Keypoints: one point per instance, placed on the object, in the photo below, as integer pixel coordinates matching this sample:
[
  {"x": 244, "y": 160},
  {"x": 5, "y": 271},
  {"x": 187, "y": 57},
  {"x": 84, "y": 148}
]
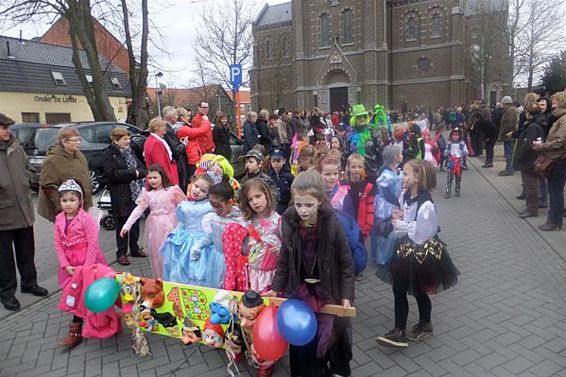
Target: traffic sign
[{"x": 235, "y": 76}]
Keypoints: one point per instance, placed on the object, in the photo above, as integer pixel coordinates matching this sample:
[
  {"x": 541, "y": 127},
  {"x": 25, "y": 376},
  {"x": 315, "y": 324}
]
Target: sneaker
[
  {"x": 420, "y": 331},
  {"x": 395, "y": 338},
  {"x": 487, "y": 165},
  {"x": 447, "y": 195}
]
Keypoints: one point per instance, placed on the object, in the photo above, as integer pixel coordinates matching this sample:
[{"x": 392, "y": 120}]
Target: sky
[{"x": 177, "y": 21}]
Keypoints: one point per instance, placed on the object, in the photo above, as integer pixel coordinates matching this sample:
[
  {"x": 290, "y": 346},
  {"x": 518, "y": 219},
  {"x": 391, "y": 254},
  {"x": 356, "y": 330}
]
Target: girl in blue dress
[{"x": 186, "y": 249}]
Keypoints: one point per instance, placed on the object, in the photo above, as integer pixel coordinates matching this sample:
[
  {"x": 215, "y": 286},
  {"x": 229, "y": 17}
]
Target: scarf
[{"x": 137, "y": 184}]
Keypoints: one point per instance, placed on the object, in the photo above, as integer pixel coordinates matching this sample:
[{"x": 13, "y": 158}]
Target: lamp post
[{"x": 158, "y": 74}]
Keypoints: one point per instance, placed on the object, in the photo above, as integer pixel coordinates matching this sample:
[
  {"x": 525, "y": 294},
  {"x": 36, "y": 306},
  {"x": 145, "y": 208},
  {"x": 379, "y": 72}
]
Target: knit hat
[{"x": 507, "y": 100}]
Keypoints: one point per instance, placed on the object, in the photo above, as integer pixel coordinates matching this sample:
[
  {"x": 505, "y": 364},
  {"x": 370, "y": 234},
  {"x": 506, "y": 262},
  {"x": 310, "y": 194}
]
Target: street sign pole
[
  {"x": 236, "y": 80},
  {"x": 238, "y": 118}
]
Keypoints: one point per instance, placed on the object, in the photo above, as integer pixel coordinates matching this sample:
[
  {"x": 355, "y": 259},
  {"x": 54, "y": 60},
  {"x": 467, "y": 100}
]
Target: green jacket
[{"x": 16, "y": 207}]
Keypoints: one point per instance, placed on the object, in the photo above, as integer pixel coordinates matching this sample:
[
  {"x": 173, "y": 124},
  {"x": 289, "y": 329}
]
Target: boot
[{"x": 74, "y": 337}]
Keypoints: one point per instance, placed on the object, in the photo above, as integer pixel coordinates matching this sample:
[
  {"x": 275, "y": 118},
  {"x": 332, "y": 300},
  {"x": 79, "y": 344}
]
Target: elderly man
[
  {"x": 177, "y": 146},
  {"x": 508, "y": 125},
  {"x": 16, "y": 220}
]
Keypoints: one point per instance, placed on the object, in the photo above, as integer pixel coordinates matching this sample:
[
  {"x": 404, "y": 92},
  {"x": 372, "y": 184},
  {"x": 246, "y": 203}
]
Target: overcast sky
[{"x": 176, "y": 22}]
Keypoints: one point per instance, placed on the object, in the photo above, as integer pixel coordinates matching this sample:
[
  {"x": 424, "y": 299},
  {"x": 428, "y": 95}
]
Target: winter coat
[
  {"x": 526, "y": 155},
  {"x": 335, "y": 264},
  {"x": 221, "y": 136},
  {"x": 119, "y": 177},
  {"x": 59, "y": 166},
  {"x": 365, "y": 209},
  {"x": 251, "y": 135},
  {"x": 175, "y": 145},
  {"x": 555, "y": 145},
  {"x": 263, "y": 131},
  {"x": 194, "y": 149},
  {"x": 508, "y": 123},
  {"x": 16, "y": 207},
  {"x": 283, "y": 180},
  {"x": 156, "y": 153},
  {"x": 285, "y": 131},
  {"x": 206, "y": 141},
  {"x": 487, "y": 128}
]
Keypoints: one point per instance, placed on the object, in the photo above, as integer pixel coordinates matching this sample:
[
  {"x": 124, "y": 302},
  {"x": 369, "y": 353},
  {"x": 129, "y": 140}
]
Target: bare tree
[
  {"x": 78, "y": 13},
  {"x": 224, "y": 37}
]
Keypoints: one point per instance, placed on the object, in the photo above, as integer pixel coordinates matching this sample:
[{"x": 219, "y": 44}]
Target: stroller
[{"x": 108, "y": 221}]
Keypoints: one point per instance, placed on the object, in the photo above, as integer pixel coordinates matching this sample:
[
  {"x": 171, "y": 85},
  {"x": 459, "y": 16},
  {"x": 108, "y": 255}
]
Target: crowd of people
[{"x": 321, "y": 194}]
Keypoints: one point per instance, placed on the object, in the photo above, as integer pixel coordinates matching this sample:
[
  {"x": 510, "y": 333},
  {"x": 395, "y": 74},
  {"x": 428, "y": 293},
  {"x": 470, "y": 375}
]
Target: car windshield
[{"x": 45, "y": 137}]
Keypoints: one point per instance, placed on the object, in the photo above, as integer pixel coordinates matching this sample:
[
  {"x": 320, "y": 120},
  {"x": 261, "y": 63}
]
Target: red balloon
[{"x": 267, "y": 341}]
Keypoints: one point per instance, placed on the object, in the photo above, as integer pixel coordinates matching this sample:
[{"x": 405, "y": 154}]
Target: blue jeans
[
  {"x": 556, "y": 181},
  {"x": 542, "y": 190},
  {"x": 508, "y": 153}
]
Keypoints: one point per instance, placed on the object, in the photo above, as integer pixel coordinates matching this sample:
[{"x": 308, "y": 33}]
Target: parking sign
[{"x": 235, "y": 76}]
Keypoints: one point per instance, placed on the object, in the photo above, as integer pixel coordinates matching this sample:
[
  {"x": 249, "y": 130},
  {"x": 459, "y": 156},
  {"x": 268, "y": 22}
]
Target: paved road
[{"x": 506, "y": 317}]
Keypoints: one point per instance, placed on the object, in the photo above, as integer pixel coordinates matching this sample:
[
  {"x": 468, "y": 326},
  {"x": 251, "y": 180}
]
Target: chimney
[{"x": 21, "y": 39}]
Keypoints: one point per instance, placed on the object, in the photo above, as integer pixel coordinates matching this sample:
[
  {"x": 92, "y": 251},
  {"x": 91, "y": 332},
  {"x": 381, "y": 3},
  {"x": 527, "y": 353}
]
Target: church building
[{"x": 399, "y": 53}]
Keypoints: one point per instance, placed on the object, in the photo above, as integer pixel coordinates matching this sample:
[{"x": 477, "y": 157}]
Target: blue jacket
[
  {"x": 283, "y": 181},
  {"x": 352, "y": 232}
]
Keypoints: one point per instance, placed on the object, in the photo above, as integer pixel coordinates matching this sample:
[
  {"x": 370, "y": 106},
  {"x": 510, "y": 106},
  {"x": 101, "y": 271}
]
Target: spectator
[
  {"x": 17, "y": 216},
  {"x": 221, "y": 137},
  {"x": 508, "y": 125},
  {"x": 177, "y": 147},
  {"x": 125, "y": 175},
  {"x": 206, "y": 142},
  {"x": 64, "y": 161},
  {"x": 190, "y": 136},
  {"x": 157, "y": 151},
  {"x": 263, "y": 130},
  {"x": 251, "y": 134}
]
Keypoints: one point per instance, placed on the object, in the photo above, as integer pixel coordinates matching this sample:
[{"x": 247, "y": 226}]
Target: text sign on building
[
  {"x": 235, "y": 76},
  {"x": 55, "y": 99}
]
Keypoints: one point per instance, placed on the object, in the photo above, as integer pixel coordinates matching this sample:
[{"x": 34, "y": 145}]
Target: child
[
  {"x": 306, "y": 158},
  {"x": 455, "y": 151},
  {"x": 263, "y": 243},
  {"x": 329, "y": 169},
  {"x": 388, "y": 186},
  {"x": 76, "y": 244},
  {"x": 280, "y": 173},
  {"x": 184, "y": 261},
  {"x": 316, "y": 266},
  {"x": 420, "y": 264},
  {"x": 221, "y": 198},
  {"x": 361, "y": 193},
  {"x": 254, "y": 160},
  {"x": 441, "y": 144},
  {"x": 431, "y": 149},
  {"x": 161, "y": 197}
]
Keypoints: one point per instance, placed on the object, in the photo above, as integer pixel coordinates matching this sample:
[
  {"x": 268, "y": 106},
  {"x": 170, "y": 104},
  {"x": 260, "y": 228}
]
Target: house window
[
  {"x": 58, "y": 78},
  {"x": 54, "y": 118},
  {"x": 115, "y": 83},
  {"x": 411, "y": 28},
  {"x": 268, "y": 49},
  {"x": 30, "y": 117},
  {"x": 436, "y": 26},
  {"x": 89, "y": 79},
  {"x": 325, "y": 30},
  {"x": 347, "y": 26}
]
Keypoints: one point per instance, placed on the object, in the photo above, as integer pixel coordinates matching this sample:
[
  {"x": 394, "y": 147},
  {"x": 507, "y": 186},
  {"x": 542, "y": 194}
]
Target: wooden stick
[{"x": 337, "y": 310}]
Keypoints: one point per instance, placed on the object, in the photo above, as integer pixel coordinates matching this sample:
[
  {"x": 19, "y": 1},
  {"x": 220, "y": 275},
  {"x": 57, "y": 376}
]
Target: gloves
[{"x": 195, "y": 251}]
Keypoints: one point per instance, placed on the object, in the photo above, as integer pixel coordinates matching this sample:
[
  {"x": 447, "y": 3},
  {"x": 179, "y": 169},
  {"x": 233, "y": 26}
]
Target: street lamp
[{"x": 158, "y": 74}]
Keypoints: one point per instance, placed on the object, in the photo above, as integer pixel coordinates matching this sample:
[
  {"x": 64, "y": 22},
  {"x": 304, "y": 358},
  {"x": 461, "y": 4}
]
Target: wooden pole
[
  {"x": 238, "y": 120},
  {"x": 337, "y": 310}
]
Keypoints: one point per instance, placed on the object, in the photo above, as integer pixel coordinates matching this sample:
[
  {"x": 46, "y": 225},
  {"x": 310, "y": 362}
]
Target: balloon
[
  {"x": 297, "y": 322},
  {"x": 267, "y": 341},
  {"x": 101, "y": 295}
]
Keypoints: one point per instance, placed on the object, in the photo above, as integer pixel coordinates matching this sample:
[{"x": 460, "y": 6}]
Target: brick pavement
[{"x": 506, "y": 317}]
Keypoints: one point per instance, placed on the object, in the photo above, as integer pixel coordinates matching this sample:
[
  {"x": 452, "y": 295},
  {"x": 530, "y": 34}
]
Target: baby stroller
[{"x": 108, "y": 221}]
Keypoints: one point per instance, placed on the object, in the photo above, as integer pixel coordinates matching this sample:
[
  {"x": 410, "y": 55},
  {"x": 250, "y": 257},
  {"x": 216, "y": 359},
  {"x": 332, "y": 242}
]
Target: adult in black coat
[
  {"x": 124, "y": 173},
  {"x": 263, "y": 130},
  {"x": 178, "y": 148},
  {"x": 221, "y": 137},
  {"x": 489, "y": 135}
]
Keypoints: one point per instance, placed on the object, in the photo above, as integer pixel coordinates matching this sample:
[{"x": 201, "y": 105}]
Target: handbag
[{"x": 543, "y": 165}]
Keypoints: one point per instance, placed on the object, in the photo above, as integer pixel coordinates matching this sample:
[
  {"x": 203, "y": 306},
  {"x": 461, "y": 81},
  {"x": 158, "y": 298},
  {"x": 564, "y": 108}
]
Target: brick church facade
[{"x": 332, "y": 53}]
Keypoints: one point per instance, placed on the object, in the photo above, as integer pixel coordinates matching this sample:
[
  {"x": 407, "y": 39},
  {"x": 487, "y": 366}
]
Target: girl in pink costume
[
  {"x": 76, "y": 244},
  {"x": 161, "y": 197},
  {"x": 263, "y": 224}
]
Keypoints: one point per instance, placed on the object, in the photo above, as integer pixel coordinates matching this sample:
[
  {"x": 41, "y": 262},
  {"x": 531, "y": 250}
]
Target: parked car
[
  {"x": 95, "y": 136},
  {"x": 237, "y": 146}
]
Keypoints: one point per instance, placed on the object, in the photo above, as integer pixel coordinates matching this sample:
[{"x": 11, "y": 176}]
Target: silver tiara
[{"x": 71, "y": 185}]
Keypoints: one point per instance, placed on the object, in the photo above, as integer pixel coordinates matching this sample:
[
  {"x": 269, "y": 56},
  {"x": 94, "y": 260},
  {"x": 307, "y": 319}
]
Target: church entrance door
[{"x": 338, "y": 98}]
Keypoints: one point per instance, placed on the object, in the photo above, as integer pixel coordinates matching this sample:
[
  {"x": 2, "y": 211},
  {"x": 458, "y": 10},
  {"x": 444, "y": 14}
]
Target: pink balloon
[{"x": 268, "y": 342}]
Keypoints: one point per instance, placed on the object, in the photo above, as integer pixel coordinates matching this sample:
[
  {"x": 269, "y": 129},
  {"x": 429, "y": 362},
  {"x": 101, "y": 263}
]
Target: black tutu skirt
[{"x": 428, "y": 267}]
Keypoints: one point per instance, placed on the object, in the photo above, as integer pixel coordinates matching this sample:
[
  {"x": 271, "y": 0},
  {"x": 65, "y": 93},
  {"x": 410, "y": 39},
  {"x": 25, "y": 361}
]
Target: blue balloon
[
  {"x": 101, "y": 295},
  {"x": 297, "y": 322}
]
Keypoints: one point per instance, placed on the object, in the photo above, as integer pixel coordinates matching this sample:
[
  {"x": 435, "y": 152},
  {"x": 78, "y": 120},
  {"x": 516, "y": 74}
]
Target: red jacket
[
  {"x": 366, "y": 210},
  {"x": 194, "y": 133},
  {"x": 156, "y": 153},
  {"x": 206, "y": 141}
]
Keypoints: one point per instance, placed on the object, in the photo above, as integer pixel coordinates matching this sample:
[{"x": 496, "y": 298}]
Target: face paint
[{"x": 307, "y": 207}]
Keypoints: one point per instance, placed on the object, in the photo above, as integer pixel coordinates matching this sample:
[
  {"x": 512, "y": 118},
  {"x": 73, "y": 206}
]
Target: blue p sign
[{"x": 236, "y": 75}]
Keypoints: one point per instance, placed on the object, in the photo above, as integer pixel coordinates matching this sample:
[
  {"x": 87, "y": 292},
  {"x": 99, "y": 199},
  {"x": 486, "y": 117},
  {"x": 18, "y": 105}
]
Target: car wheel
[{"x": 95, "y": 184}]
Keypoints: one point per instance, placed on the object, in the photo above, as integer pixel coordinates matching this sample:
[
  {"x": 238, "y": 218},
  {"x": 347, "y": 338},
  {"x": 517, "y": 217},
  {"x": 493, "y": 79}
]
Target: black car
[{"x": 95, "y": 137}]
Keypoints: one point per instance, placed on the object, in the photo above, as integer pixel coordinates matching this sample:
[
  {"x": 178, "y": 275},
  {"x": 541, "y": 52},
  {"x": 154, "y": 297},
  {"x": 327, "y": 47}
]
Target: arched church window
[
  {"x": 436, "y": 31},
  {"x": 325, "y": 39},
  {"x": 411, "y": 32},
  {"x": 347, "y": 26}
]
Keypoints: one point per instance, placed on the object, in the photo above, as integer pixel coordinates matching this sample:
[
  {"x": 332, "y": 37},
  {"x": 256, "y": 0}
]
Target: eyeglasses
[{"x": 74, "y": 139}]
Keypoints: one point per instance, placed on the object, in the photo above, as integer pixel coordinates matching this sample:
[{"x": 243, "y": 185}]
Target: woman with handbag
[{"x": 554, "y": 149}]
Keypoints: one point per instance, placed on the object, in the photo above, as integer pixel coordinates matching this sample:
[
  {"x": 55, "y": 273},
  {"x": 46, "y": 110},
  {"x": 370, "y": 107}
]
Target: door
[{"x": 338, "y": 98}]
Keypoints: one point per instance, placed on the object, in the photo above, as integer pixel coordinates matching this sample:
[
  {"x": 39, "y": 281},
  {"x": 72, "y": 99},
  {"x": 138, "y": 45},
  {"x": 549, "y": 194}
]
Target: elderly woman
[
  {"x": 125, "y": 174},
  {"x": 251, "y": 134},
  {"x": 157, "y": 151},
  {"x": 554, "y": 148},
  {"x": 63, "y": 161}
]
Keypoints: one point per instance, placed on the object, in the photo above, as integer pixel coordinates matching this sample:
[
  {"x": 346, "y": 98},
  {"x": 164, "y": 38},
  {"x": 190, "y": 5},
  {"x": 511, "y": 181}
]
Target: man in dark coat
[
  {"x": 16, "y": 220},
  {"x": 177, "y": 147}
]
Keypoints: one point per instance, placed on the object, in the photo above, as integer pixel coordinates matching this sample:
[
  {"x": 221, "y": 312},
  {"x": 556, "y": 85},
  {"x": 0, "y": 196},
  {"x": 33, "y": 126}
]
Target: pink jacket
[{"x": 96, "y": 325}]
